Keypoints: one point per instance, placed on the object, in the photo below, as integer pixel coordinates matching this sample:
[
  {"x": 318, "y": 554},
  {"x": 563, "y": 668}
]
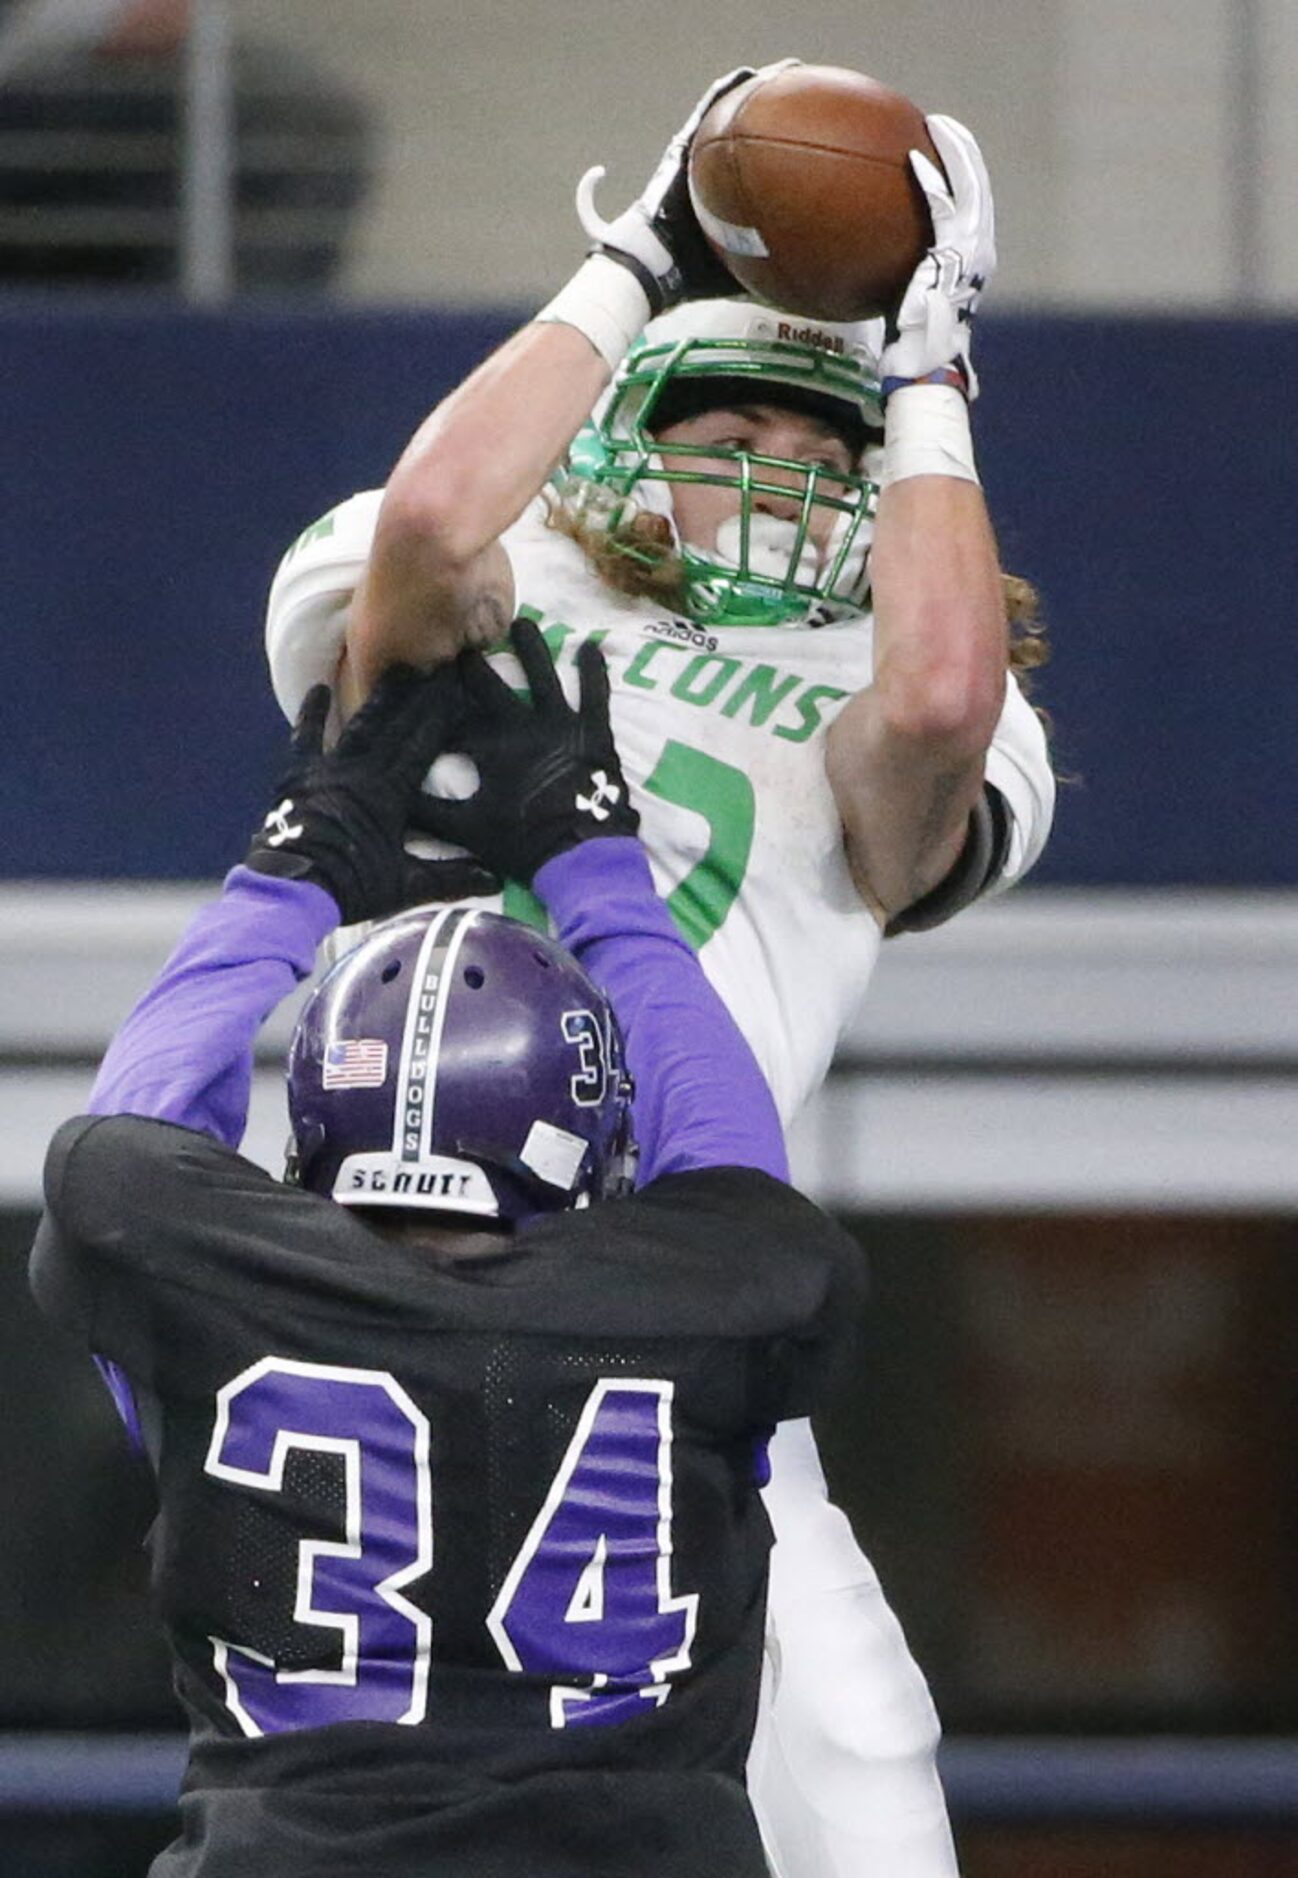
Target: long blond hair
[{"x": 635, "y": 553}]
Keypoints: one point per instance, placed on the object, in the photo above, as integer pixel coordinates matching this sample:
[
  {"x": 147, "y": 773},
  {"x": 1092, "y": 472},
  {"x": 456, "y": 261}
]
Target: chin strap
[{"x": 977, "y": 868}]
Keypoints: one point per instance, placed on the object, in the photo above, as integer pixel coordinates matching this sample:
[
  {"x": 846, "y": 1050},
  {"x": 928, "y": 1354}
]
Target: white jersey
[{"x": 721, "y": 733}]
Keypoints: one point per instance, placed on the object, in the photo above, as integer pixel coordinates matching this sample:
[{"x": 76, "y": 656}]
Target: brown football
[{"x": 802, "y": 183}]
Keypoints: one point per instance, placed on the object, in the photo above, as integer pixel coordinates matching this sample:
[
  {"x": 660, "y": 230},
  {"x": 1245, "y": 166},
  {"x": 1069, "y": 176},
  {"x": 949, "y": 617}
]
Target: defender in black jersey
[{"x": 459, "y": 1547}]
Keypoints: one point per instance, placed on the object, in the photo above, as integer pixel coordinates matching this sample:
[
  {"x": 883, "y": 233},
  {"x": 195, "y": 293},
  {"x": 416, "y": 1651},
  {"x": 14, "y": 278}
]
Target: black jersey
[{"x": 463, "y": 1565}]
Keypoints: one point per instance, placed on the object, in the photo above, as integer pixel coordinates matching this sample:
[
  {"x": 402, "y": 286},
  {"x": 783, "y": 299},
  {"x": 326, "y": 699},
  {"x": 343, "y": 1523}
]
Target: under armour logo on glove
[
  {"x": 277, "y": 828},
  {"x": 548, "y": 775},
  {"x": 603, "y": 797},
  {"x": 341, "y": 815}
]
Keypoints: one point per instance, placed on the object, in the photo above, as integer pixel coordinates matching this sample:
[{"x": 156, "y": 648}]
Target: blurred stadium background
[{"x": 244, "y": 244}]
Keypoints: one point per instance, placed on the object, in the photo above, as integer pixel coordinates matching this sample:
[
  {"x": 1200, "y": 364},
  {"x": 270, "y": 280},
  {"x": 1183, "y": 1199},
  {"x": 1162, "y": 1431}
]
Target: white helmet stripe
[{"x": 416, "y": 1084}]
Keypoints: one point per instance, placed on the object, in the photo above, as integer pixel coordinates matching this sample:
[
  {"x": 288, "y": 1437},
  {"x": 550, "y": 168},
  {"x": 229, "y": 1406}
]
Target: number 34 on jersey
[{"x": 587, "y": 1602}]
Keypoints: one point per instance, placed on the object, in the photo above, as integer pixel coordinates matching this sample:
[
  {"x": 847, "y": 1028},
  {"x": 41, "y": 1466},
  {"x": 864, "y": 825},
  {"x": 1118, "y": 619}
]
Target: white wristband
[
  {"x": 606, "y": 302},
  {"x": 926, "y": 433}
]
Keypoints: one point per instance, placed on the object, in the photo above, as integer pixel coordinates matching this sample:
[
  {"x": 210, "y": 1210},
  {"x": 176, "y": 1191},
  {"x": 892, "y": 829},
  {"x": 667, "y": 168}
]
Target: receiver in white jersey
[{"x": 721, "y": 732}]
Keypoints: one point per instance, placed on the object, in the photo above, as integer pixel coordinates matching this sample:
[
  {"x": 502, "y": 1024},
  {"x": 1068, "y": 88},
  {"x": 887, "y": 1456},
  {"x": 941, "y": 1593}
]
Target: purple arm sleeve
[
  {"x": 185, "y": 1052},
  {"x": 701, "y": 1100}
]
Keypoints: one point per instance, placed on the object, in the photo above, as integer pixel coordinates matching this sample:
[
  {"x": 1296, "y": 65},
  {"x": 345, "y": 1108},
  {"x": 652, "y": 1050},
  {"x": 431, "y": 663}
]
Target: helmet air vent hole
[
  {"x": 390, "y": 971},
  {"x": 474, "y": 977},
  {"x": 541, "y": 960}
]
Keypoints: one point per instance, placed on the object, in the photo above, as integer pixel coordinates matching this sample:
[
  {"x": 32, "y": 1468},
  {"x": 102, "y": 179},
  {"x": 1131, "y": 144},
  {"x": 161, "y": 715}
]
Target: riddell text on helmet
[{"x": 809, "y": 336}]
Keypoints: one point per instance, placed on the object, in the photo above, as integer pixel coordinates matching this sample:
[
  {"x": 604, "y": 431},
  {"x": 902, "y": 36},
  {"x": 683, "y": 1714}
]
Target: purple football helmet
[{"x": 460, "y": 1061}]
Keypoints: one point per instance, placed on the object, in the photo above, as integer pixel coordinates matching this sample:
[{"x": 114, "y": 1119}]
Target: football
[{"x": 802, "y": 184}]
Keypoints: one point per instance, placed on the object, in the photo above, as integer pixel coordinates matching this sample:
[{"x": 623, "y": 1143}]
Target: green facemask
[{"x": 615, "y": 458}]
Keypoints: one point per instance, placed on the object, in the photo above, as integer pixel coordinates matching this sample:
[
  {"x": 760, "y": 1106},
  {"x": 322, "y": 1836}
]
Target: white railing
[{"x": 1057, "y": 1050}]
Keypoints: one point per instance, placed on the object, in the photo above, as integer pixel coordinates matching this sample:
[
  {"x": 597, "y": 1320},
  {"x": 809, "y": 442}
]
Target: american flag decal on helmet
[{"x": 359, "y": 1063}]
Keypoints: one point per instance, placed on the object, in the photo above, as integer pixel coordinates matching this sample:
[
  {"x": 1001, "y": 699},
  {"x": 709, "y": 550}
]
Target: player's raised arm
[
  {"x": 552, "y": 808},
  {"x": 437, "y": 577},
  {"x": 906, "y": 755}
]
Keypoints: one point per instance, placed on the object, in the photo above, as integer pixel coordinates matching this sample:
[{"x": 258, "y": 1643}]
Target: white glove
[
  {"x": 658, "y": 239},
  {"x": 931, "y": 330}
]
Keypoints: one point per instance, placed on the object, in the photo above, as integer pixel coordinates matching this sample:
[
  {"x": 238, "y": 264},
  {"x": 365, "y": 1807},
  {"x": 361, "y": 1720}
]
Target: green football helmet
[{"x": 715, "y": 352}]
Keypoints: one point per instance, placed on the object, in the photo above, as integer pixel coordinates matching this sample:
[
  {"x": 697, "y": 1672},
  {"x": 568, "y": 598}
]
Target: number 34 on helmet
[{"x": 461, "y": 1062}]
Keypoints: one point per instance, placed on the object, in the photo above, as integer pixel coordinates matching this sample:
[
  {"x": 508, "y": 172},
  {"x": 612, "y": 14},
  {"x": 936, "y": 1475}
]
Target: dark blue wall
[
  {"x": 1142, "y": 471},
  {"x": 156, "y": 463}
]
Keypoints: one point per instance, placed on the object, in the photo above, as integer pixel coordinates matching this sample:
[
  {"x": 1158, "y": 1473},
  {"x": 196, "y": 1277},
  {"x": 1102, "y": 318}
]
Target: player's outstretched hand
[
  {"x": 340, "y": 816},
  {"x": 658, "y": 238},
  {"x": 931, "y": 330},
  {"x": 549, "y": 775}
]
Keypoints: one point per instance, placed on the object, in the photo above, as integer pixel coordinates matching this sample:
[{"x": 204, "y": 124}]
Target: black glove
[
  {"x": 549, "y": 776},
  {"x": 340, "y": 815}
]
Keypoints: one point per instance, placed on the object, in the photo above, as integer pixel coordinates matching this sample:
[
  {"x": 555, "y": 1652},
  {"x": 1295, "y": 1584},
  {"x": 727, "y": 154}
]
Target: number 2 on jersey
[
  {"x": 723, "y": 796},
  {"x": 587, "y": 1601}
]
